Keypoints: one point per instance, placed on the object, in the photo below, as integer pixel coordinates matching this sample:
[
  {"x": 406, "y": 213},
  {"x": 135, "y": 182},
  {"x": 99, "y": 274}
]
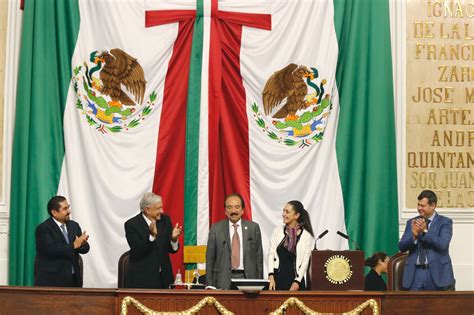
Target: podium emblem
[{"x": 338, "y": 269}]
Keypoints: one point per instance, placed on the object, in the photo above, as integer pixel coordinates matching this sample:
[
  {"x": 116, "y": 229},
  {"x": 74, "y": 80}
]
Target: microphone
[
  {"x": 349, "y": 239},
  {"x": 322, "y": 234},
  {"x": 320, "y": 237},
  {"x": 343, "y": 235}
]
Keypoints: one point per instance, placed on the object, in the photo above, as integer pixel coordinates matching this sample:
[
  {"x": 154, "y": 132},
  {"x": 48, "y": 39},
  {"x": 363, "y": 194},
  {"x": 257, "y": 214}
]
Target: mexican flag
[{"x": 196, "y": 99}]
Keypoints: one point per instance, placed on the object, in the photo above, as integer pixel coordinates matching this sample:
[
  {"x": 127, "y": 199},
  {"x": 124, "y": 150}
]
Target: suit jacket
[
  {"x": 55, "y": 258},
  {"x": 218, "y": 253},
  {"x": 436, "y": 242},
  {"x": 148, "y": 258}
]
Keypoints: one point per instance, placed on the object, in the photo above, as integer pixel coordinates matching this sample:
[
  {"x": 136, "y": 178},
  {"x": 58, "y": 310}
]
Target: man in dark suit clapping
[
  {"x": 59, "y": 241},
  {"x": 151, "y": 238}
]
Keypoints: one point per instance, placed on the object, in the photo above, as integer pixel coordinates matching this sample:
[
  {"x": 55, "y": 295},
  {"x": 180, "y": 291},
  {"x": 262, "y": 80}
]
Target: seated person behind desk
[
  {"x": 290, "y": 246},
  {"x": 378, "y": 263}
]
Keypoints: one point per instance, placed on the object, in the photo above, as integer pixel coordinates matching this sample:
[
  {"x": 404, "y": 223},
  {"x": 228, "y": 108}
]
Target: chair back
[
  {"x": 395, "y": 269},
  {"x": 122, "y": 267},
  {"x": 81, "y": 267}
]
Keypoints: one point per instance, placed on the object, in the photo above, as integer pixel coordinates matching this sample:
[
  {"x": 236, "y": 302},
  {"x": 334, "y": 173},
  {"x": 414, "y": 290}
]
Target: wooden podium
[{"x": 337, "y": 270}]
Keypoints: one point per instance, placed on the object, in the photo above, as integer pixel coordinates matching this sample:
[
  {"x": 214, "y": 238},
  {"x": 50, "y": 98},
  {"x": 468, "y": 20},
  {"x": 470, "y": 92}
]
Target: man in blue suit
[{"x": 427, "y": 238}]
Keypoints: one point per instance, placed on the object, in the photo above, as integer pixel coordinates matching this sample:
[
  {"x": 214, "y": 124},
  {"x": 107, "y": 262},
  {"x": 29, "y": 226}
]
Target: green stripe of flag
[
  {"x": 49, "y": 34},
  {"x": 192, "y": 130},
  {"x": 366, "y": 146}
]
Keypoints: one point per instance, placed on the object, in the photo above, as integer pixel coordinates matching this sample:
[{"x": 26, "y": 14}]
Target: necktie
[
  {"x": 235, "y": 259},
  {"x": 63, "y": 230},
  {"x": 66, "y": 236},
  {"x": 422, "y": 259}
]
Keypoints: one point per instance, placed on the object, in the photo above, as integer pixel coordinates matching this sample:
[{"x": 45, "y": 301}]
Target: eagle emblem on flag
[
  {"x": 110, "y": 89},
  {"x": 296, "y": 104}
]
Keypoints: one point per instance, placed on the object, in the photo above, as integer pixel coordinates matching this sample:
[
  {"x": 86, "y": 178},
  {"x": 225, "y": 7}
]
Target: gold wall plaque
[{"x": 440, "y": 101}]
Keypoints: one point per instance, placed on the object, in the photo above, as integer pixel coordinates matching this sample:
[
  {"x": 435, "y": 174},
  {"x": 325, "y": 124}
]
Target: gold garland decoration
[
  {"x": 209, "y": 300},
  {"x": 307, "y": 311}
]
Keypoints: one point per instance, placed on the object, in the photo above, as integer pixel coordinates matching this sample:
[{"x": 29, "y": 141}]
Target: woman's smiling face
[{"x": 290, "y": 217}]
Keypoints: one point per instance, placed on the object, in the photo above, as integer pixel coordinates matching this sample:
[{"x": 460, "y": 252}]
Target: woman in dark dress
[
  {"x": 378, "y": 264},
  {"x": 290, "y": 249}
]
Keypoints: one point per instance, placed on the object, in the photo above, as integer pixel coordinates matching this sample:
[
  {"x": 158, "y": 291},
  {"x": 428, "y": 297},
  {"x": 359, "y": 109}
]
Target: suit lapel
[
  {"x": 70, "y": 233},
  {"x": 245, "y": 236},
  {"x": 225, "y": 231},
  {"x": 57, "y": 230},
  {"x": 434, "y": 225},
  {"x": 144, "y": 226}
]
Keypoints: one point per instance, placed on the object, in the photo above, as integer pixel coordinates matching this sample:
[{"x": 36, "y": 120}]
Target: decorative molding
[
  {"x": 398, "y": 35},
  {"x": 4, "y": 228},
  {"x": 459, "y": 216},
  {"x": 11, "y": 77}
]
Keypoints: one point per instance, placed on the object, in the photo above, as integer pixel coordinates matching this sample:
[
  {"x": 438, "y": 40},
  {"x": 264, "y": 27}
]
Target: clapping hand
[
  {"x": 418, "y": 225},
  {"x": 153, "y": 228},
  {"x": 177, "y": 231},
  {"x": 81, "y": 240}
]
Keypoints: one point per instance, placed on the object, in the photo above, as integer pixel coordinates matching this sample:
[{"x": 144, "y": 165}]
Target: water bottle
[
  {"x": 196, "y": 276},
  {"x": 178, "y": 279}
]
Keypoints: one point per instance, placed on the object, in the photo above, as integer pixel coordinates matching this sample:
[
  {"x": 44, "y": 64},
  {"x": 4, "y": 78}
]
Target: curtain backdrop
[
  {"x": 205, "y": 122},
  {"x": 366, "y": 135},
  {"x": 49, "y": 35}
]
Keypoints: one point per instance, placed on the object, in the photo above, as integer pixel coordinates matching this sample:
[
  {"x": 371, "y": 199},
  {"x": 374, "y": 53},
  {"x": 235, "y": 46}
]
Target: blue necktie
[
  {"x": 66, "y": 236},
  {"x": 422, "y": 258},
  {"x": 63, "y": 230}
]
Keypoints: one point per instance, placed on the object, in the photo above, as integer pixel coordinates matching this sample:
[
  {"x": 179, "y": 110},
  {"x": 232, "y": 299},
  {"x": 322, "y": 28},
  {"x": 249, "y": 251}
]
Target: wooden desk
[
  {"x": 52, "y": 301},
  {"x": 428, "y": 302},
  {"x": 56, "y": 301}
]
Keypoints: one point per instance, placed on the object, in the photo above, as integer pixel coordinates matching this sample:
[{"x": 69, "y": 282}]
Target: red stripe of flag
[
  {"x": 229, "y": 167},
  {"x": 169, "y": 168}
]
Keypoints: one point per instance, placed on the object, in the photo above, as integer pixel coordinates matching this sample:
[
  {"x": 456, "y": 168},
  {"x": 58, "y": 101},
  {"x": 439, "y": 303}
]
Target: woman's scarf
[{"x": 291, "y": 238}]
